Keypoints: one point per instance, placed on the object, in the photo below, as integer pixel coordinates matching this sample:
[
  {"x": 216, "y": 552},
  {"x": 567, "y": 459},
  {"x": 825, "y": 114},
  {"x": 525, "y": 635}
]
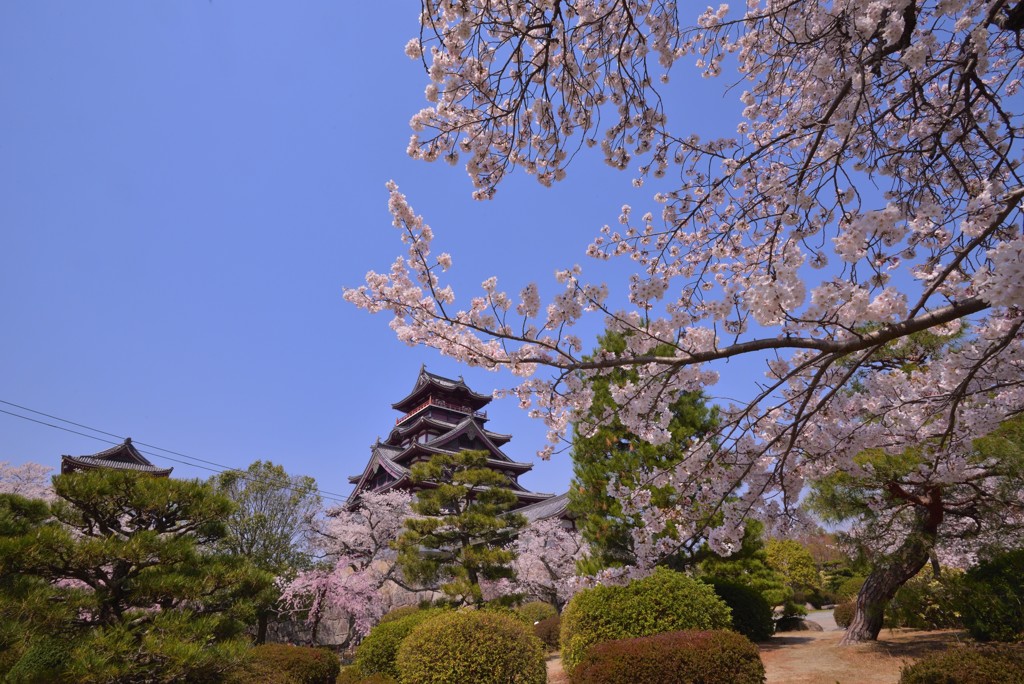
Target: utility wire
[{"x": 221, "y": 468}]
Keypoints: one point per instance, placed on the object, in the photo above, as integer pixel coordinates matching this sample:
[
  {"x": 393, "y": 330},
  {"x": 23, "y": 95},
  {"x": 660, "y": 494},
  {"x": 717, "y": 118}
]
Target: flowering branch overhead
[{"x": 871, "y": 192}]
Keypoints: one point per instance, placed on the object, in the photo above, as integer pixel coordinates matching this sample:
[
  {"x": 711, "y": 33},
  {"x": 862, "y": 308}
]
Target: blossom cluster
[{"x": 31, "y": 480}]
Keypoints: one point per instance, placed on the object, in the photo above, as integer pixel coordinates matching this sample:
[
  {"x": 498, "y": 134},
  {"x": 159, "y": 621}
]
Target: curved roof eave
[{"x": 467, "y": 425}]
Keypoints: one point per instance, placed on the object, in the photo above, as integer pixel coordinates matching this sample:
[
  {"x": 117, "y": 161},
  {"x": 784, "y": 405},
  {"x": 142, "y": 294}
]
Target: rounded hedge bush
[
  {"x": 535, "y": 611},
  {"x": 472, "y": 646},
  {"x": 666, "y": 601},
  {"x": 843, "y": 613},
  {"x": 751, "y": 615},
  {"x": 272, "y": 663},
  {"x": 685, "y": 657},
  {"x": 992, "y": 603},
  {"x": 548, "y": 632},
  {"x": 352, "y": 675},
  {"x": 397, "y": 613},
  {"x": 996, "y": 664},
  {"x": 376, "y": 654},
  {"x": 849, "y": 589}
]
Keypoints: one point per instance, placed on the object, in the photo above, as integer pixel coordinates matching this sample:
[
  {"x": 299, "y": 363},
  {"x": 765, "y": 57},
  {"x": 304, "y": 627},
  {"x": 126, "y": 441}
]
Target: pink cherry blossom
[{"x": 356, "y": 542}]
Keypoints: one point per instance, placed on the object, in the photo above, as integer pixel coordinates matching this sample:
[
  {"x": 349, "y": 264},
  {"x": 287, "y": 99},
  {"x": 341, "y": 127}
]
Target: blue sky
[{"x": 185, "y": 188}]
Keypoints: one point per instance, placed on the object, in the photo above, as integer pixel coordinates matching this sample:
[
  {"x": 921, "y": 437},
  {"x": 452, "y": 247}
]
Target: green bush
[
  {"x": 810, "y": 595},
  {"x": 397, "y": 613},
  {"x": 472, "y": 646},
  {"x": 791, "y": 608},
  {"x": 843, "y": 613},
  {"x": 711, "y": 657},
  {"x": 535, "y": 611},
  {"x": 286, "y": 664},
  {"x": 751, "y": 614},
  {"x": 926, "y": 602},
  {"x": 548, "y": 632},
  {"x": 997, "y": 664},
  {"x": 992, "y": 603},
  {"x": 666, "y": 601},
  {"x": 377, "y": 652},
  {"x": 849, "y": 589},
  {"x": 352, "y": 675}
]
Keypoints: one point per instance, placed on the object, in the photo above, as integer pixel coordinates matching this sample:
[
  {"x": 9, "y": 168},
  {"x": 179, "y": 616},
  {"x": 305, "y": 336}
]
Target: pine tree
[
  {"x": 612, "y": 451},
  {"x": 465, "y": 526},
  {"x": 121, "y": 581}
]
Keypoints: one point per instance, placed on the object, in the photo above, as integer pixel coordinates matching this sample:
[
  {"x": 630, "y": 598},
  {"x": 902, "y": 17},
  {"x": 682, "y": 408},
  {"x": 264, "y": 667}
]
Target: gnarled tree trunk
[{"x": 889, "y": 575}]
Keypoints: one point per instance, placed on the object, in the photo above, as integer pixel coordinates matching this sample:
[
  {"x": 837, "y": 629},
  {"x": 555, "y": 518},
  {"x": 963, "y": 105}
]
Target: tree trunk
[
  {"x": 261, "y": 627},
  {"x": 887, "y": 576},
  {"x": 880, "y": 586}
]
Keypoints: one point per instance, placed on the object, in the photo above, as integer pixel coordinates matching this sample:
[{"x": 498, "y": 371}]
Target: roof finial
[{"x": 127, "y": 440}]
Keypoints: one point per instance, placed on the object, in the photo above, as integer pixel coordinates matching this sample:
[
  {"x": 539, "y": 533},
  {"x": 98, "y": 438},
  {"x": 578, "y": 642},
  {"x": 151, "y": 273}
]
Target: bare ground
[{"x": 817, "y": 657}]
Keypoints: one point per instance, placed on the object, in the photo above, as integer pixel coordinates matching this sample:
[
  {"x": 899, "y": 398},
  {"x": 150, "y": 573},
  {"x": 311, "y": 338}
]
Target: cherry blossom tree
[
  {"x": 870, "y": 190},
  {"x": 546, "y": 557},
  {"x": 356, "y": 541},
  {"x": 30, "y": 480}
]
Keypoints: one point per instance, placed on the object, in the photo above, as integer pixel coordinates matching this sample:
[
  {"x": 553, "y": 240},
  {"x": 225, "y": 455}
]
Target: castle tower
[{"x": 439, "y": 415}]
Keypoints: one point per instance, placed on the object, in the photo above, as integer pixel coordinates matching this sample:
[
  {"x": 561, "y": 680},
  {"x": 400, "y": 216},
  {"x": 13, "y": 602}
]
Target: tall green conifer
[
  {"x": 615, "y": 452},
  {"x": 464, "y": 528}
]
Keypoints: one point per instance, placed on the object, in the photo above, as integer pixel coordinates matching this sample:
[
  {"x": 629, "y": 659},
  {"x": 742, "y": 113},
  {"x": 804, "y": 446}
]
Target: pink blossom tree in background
[
  {"x": 30, "y": 480},
  {"x": 870, "y": 190},
  {"x": 359, "y": 562},
  {"x": 545, "y": 565}
]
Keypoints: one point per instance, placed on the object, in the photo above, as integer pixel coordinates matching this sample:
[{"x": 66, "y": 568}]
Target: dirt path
[
  {"x": 555, "y": 673},
  {"x": 817, "y": 657}
]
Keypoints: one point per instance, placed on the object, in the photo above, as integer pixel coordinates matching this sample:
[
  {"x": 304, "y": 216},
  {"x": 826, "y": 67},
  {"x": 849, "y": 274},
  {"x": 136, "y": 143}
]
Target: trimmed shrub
[
  {"x": 377, "y": 652},
  {"x": 548, "y": 632},
  {"x": 665, "y": 601},
  {"x": 711, "y": 657},
  {"x": 849, "y": 589},
  {"x": 352, "y": 675},
  {"x": 535, "y": 611},
  {"x": 751, "y": 614},
  {"x": 843, "y": 613},
  {"x": 814, "y": 596},
  {"x": 285, "y": 664},
  {"x": 471, "y": 646},
  {"x": 992, "y": 603},
  {"x": 397, "y": 613},
  {"x": 996, "y": 664},
  {"x": 924, "y": 602}
]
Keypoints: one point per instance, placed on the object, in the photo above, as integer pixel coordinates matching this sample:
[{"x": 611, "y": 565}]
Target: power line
[{"x": 330, "y": 496}]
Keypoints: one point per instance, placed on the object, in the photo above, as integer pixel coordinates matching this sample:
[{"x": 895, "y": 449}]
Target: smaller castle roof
[
  {"x": 121, "y": 457},
  {"x": 555, "y": 507}
]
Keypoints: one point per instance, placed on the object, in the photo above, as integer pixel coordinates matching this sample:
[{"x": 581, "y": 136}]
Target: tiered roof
[
  {"x": 440, "y": 415},
  {"x": 121, "y": 457}
]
